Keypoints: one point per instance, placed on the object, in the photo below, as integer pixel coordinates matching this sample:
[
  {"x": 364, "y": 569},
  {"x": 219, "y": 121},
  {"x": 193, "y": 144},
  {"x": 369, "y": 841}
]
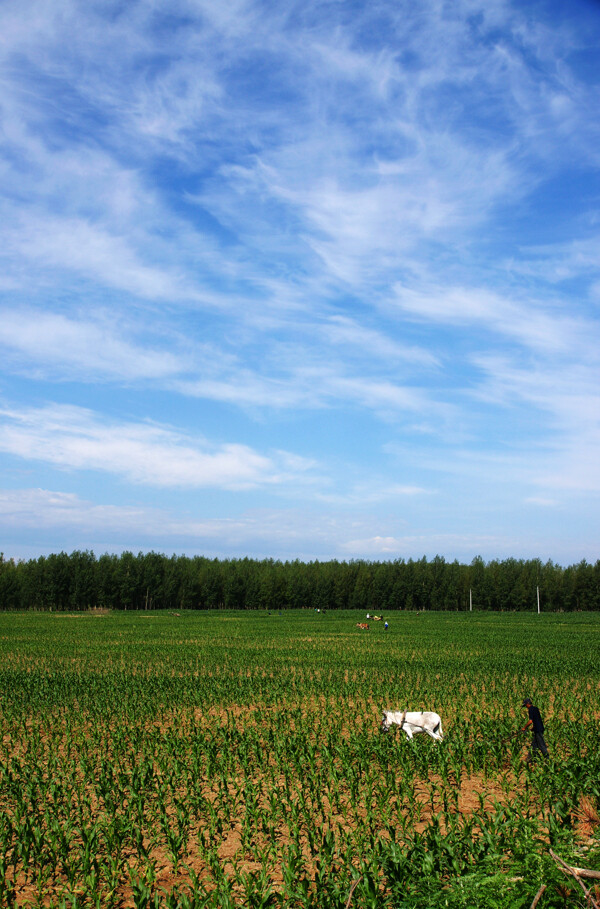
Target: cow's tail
[{"x": 438, "y": 729}]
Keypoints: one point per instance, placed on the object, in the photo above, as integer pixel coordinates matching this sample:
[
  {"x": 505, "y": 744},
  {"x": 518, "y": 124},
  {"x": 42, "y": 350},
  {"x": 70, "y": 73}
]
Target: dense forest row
[{"x": 81, "y": 581}]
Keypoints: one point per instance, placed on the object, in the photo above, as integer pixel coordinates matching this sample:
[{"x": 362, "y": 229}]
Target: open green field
[{"x": 226, "y": 759}]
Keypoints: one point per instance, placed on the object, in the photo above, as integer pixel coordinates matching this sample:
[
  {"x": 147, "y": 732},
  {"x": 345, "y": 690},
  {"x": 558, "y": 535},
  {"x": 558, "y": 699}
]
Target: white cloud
[
  {"x": 363, "y": 199},
  {"x": 542, "y": 327},
  {"x": 380, "y": 546},
  {"x": 547, "y": 418},
  {"x": 258, "y": 533},
  {"x": 60, "y": 511},
  {"x": 72, "y": 438},
  {"x": 289, "y": 213},
  {"x": 96, "y": 345},
  {"x": 41, "y": 508},
  {"x": 376, "y": 491},
  {"x": 320, "y": 364},
  {"x": 428, "y": 544},
  {"x": 94, "y": 251},
  {"x": 556, "y": 262},
  {"x": 323, "y": 385},
  {"x": 41, "y": 342},
  {"x": 47, "y": 516},
  {"x": 345, "y": 332},
  {"x": 365, "y": 218}
]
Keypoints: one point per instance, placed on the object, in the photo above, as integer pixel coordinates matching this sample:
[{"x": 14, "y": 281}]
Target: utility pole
[
  {"x": 470, "y": 600},
  {"x": 538, "y": 599}
]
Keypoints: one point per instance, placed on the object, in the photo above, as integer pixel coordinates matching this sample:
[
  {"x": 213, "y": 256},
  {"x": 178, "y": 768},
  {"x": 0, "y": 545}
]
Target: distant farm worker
[
  {"x": 537, "y": 724},
  {"x": 386, "y": 626}
]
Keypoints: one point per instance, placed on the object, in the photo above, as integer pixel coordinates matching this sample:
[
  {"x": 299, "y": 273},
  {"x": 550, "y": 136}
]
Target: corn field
[{"x": 223, "y": 759}]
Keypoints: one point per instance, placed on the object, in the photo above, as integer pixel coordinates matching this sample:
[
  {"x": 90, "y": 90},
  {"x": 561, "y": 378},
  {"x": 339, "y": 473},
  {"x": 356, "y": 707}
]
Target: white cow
[{"x": 413, "y": 722}]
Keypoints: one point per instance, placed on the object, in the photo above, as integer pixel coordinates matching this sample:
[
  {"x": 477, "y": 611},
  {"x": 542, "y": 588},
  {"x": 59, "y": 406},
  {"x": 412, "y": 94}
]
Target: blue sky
[{"x": 313, "y": 280}]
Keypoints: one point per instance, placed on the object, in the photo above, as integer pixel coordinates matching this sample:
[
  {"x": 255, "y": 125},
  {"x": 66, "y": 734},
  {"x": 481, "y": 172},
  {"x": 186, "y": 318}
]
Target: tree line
[{"x": 81, "y": 581}]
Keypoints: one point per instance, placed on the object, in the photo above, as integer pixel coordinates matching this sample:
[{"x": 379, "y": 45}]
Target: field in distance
[{"x": 229, "y": 759}]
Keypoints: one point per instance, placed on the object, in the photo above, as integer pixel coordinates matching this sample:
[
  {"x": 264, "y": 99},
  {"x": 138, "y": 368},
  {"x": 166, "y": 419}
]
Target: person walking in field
[{"x": 537, "y": 724}]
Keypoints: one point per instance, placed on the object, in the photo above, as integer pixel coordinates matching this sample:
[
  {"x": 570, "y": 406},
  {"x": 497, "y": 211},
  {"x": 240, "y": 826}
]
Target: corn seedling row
[{"x": 235, "y": 759}]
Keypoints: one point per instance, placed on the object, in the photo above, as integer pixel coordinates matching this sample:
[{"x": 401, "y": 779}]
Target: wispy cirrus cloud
[
  {"x": 543, "y": 326},
  {"x": 46, "y": 343},
  {"x": 374, "y": 491},
  {"x": 355, "y": 202},
  {"x": 36, "y": 513},
  {"x": 337, "y": 230},
  {"x": 316, "y": 386},
  {"x": 568, "y": 433},
  {"x": 300, "y": 534},
  {"x": 93, "y": 251},
  {"x": 87, "y": 347},
  {"x": 557, "y": 262},
  {"x": 73, "y": 438},
  {"x": 253, "y": 531},
  {"x": 348, "y": 206}
]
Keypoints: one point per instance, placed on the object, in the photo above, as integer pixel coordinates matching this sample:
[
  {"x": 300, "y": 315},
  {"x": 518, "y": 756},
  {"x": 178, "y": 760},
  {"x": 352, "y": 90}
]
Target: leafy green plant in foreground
[{"x": 231, "y": 759}]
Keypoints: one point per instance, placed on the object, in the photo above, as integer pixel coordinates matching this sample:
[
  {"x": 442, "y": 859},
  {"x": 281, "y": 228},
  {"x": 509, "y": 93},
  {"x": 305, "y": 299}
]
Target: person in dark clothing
[{"x": 537, "y": 724}]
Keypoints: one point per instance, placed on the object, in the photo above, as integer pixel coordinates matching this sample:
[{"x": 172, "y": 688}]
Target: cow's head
[{"x": 385, "y": 726}]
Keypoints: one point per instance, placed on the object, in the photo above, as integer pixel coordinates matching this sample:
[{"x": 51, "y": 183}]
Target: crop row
[{"x": 171, "y": 763}]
